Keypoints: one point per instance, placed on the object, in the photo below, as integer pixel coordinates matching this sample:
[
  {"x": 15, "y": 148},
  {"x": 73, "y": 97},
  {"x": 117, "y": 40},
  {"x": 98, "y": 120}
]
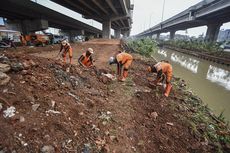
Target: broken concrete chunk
[
  {"x": 4, "y": 67},
  {"x": 4, "y": 78},
  {"x": 4, "y": 59},
  {"x": 47, "y": 149},
  {"x": 1, "y": 106},
  {"x": 35, "y": 107},
  {"x": 16, "y": 67}
]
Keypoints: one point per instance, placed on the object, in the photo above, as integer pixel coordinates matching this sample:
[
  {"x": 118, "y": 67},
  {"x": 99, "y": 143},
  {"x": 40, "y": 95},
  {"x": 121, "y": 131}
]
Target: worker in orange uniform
[
  {"x": 162, "y": 69},
  {"x": 123, "y": 61},
  {"x": 86, "y": 58},
  {"x": 66, "y": 48}
]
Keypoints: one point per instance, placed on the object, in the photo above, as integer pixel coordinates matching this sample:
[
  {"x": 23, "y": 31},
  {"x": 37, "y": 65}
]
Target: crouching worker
[
  {"x": 66, "y": 48},
  {"x": 86, "y": 59},
  {"x": 164, "y": 71},
  {"x": 123, "y": 61}
]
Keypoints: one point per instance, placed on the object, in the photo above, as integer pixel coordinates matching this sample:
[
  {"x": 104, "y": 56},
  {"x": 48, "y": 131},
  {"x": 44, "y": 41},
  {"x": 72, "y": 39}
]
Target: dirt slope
[{"x": 84, "y": 111}]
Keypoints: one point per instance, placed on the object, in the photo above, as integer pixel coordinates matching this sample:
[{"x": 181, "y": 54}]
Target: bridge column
[
  {"x": 212, "y": 32},
  {"x": 172, "y": 35},
  {"x": 126, "y": 34},
  {"x": 106, "y": 29},
  {"x": 97, "y": 35},
  {"x": 73, "y": 33},
  {"x": 118, "y": 33},
  {"x": 158, "y": 36}
]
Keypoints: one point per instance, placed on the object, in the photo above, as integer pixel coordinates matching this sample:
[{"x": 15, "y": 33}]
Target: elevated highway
[
  {"x": 212, "y": 13},
  {"x": 28, "y": 16},
  {"x": 115, "y": 14}
]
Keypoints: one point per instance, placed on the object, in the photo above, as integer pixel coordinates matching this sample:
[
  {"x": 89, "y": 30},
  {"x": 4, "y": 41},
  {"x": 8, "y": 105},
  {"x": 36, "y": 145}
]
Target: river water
[{"x": 209, "y": 80}]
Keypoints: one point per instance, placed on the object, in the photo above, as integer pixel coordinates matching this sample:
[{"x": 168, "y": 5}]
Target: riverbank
[
  {"x": 219, "y": 57},
  {"x": 82, "y": 110}
]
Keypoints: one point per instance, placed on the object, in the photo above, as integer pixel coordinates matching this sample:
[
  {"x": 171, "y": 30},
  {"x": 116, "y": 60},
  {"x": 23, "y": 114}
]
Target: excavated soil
[{"x": 84, "y": 111}]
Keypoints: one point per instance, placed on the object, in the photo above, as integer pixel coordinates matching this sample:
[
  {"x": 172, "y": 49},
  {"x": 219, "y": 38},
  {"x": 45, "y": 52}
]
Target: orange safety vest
[
  {"x": 67, "y": 48},
  {"x": 166, "y": 69},
  {"x": 86, "y": 61},
  {"x": 123, "y": 57}
]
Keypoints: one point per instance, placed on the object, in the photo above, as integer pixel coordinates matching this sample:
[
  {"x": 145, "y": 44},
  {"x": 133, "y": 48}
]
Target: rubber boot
[{"x": 167, "y": 90}]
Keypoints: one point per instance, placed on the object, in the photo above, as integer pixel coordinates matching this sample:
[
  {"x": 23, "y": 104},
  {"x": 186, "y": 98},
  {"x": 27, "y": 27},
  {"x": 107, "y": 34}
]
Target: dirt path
[{"x": 93, "y": 113}]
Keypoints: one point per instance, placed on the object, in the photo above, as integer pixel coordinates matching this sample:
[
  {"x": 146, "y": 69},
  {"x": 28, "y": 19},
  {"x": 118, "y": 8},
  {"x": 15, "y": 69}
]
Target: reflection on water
[
  {"x": 220, "y": 76},
  {"x": 162, "y": 52},
  {"x": 210, "y": 81},
  {"x": 186, "y": 62}
]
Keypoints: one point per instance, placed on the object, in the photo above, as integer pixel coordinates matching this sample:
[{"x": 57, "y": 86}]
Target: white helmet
[
  {"x": 64, "y": 42},
  {"x": 90, "y": 50},
  {"x": 112, "y": 60}
]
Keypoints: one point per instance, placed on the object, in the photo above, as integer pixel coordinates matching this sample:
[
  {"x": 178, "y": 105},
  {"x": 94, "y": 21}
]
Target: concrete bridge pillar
[
  {"x": 172, "y": 35},
  {"x": 118, "y": 33},
  {"x": 106, "y": 29},
  {"x": 126, "y": 34},
  {"x": 97, "y": 35},
  {"x": 73, "y": 33},
  {"x": 212, "y": 32},
  {"x": 158, "y": 36}
]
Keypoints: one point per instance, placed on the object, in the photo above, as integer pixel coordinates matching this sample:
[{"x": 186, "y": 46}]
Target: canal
[{"x": 210, "y": 81}]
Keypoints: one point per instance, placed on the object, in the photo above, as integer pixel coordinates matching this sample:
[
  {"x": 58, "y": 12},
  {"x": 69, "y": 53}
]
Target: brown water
[{"x": 210, "y": 81}]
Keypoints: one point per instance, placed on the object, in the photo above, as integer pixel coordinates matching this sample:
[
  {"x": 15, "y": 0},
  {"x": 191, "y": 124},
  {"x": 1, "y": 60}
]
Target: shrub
[{"x": 143, "y": 46}]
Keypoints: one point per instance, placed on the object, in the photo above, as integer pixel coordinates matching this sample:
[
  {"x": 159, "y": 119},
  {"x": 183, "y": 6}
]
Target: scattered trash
[
  {"x": 9, "y": 112},
  {"x": 74, "y": 96},
  {"x": 169, "y": 123},
  {"x": 110, "y": 76},
  {"x": 53, "y": 112},
  {"x": 35, "y": 106}
]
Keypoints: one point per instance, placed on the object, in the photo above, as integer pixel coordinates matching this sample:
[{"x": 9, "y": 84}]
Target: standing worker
[
  {"x": 66, "y": 48},
  {"x": 86, "y": 58},
  {"x": 123, "y": 60},
  {"x": 162, "y": 69}
]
